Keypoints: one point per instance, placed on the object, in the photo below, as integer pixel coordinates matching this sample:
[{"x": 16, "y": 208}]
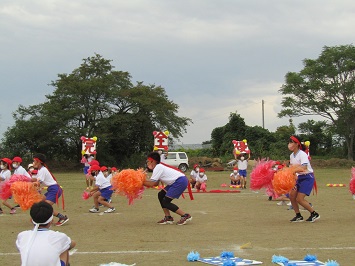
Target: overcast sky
[{"x": 213, "y": 57}]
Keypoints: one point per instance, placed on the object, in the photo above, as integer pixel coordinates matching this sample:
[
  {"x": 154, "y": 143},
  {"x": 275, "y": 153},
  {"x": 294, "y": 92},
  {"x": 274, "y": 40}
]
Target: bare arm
[{"x": 149, "y": 183}]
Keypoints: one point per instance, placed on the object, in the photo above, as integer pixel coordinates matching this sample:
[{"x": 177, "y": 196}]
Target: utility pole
[{"x": 262, "y": 112}]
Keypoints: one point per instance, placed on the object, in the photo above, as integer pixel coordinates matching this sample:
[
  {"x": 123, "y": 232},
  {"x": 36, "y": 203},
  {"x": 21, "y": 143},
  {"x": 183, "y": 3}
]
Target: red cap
[
  {"x": 195, "y": 165},
  {"x": 7, "y": 161},
  {"x": 94, "y": 162},
  {"x": 113, "y": 169},
  {"x": 34, "y": 172},
  {"x": 202, "y": 170},
  {"x": 235, "y": 168},
  {"x": 103, "y": 168},
  {"x": 17, "y": 159},
  {"x": 94, "y": 167}
]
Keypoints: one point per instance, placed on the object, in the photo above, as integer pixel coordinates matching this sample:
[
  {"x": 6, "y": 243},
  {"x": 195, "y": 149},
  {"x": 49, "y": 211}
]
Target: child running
[
  {"x": 176, "y": 182},
  {"x": 54, "y": 191},
  {"x": 305, "y": 181}
]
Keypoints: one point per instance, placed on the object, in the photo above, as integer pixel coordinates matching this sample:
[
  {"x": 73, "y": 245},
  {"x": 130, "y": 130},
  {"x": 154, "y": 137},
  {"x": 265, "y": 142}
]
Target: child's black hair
[
  {"x": 155, "y": 156},
  {"x": 41, "y": 157},
  {"x": 303, "y": 147},
  {"x": 40, "y": 212}
]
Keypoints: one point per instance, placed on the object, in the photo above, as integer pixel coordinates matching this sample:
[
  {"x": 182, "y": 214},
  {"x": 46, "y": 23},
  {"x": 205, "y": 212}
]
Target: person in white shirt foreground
[{"x": 41, "y": 246}]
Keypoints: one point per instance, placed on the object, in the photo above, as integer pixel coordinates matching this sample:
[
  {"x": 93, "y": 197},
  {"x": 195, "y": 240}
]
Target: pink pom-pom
[
  {"x": 129, "y": 183},
  {"x": 16, "y": 177},
  {"x": 284, "y": 180},
  {"x": 262, "y": 174},
  {"x": 352, "y": 181},
  {"x": 85, "y": 195}
]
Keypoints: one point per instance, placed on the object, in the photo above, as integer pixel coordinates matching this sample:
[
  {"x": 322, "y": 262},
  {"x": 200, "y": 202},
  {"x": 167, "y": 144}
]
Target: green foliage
[
  {"x": 325, "y": 87},
  {"x": 95, "y": 100}
]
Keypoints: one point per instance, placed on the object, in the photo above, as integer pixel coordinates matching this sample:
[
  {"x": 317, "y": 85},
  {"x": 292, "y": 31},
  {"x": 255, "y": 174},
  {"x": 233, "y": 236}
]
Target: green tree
[
  {"x": 221, "y": 137},
  {"x": 317, "y": 132},
  {"x": 325, "y": 87},
  {"x": 96, "y": 100}
]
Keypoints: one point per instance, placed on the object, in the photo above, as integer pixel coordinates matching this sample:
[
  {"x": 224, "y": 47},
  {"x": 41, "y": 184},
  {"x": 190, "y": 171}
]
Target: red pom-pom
[
  {"x": 5, "y": 190},
  {"x": 25, "y": 194},
  {"x": 129, "y": 183},
  {"x": 85, "y": 195},
  {"x": 262, "y": 174},
  {"x": 284, "y": 180},
  {"x": 352, "y": 181}
]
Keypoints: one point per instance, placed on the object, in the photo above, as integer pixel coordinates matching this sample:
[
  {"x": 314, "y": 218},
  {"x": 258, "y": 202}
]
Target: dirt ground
[{"x": 221, "y": 222}]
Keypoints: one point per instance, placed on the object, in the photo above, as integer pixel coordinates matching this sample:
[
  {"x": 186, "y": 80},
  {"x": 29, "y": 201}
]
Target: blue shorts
[
  {"x": 53, "y": 193},
  {"x": 62, "y": 263},
  {"x": 305, "y": 183},
  {"x": 175, "y": 190},
  {"x": 106, "y": 192},
  {"x": 86, "y": 169},
  {"x": 242, "y": 173}
]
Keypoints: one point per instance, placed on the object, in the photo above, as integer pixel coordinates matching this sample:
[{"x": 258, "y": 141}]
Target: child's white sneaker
[{"x": 281, "y": 203}]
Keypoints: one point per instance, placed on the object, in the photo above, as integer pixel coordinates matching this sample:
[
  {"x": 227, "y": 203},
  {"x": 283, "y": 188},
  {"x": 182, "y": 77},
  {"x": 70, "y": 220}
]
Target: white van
[{"x": 178, "y": 159}]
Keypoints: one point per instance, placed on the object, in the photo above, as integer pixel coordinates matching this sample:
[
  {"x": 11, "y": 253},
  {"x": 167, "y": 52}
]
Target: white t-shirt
[
  {"x": 234, "y": 175},
  {"x": 45, "y": 177},
  {"x": 165, "y": 174},
  {"x": 101, "y": 181},
  {"x": 194, "y": 174},
  {"x": 21, "y": 171},
  {"x": 242, "y": 165},
  {"x": 301, "y": 158},
  {"x": 46, "y": 248},
  {"x": 201, "y": 179},
  {"x": 5, "y": 174}
]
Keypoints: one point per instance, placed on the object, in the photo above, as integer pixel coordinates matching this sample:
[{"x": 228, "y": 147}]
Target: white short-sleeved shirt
[
  {"x": 202, "y": 179},
  {"x": 234, "y": 175},
  {"x": 165, "y": 174},
  {"x": 21, "y": 171},
  {"x": 194, "y": 174},
  {"x": 5, "y": 174},
  {"x": 46, "y": 248},
  {"x": 101, "y": 181},
  {"x": 301, "y": 158},
  {"x": 242, "y": 164},
  {"x": 45, "y": 177}
]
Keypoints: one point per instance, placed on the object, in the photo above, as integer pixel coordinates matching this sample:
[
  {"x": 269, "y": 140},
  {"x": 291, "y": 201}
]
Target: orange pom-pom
[
  {"x": 284, "y": 180},
  {"x": 25, "y": 194},
  {"x": 129, "y": 183}
]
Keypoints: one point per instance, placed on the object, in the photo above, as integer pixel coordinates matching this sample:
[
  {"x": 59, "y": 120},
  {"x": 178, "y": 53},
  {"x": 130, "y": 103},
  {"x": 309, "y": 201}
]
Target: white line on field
[{"x": 105, "y": 252}]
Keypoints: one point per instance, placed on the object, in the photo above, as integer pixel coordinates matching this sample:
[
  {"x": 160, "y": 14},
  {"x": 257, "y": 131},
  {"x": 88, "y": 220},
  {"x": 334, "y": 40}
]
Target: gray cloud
[{"x": 212, "y": 57}]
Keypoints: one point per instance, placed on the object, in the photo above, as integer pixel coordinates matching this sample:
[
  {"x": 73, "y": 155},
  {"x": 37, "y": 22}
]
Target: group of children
[
  {"x": 198, "y": 178},
  {"x": 175, "y": 184},
  {"x": 98, "y": 181},
  {"x": 43, "y": 178},
  {"x": 238, "y": 177},
  {"x": 10, "y": 167}
]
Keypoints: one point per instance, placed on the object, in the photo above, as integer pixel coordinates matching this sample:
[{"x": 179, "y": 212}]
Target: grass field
[{"x": 221, "y": 222}]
